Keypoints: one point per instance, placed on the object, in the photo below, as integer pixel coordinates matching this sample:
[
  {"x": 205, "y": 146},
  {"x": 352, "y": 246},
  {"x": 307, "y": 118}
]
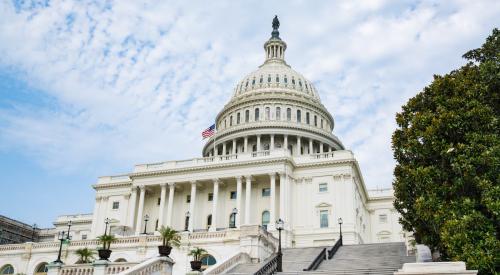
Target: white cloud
[{"x": 138, "y": 81}]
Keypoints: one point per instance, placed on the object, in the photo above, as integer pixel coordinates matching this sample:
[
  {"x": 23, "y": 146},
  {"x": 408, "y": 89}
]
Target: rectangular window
[
  {"x": 188, "y": 198},
  {"x": 382, "y": 218},
  {"x": 323, "y": 187},
  {"x": 247, "y": 115},
  {"x": 210, "y": 196},
  {"x": 238, "y": 118},
  {"x": 159, "y": 201},
  {"x": 116, "y": 205},
  {"x": 232, "y": 195},
  {"x": 316, "y": 121},
  {"x": 323, "y": 216},
  {"x": 266, "y": 192},
  {"x": 84, "y": 236}
]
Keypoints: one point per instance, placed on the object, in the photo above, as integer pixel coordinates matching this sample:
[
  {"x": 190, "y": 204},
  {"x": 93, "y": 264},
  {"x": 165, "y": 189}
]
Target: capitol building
[{"x": 274, "y": 156}]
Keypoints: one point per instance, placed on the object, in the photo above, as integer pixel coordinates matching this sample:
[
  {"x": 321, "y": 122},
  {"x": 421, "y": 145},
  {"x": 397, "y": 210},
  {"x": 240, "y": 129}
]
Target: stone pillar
[
  {"x": 282, "y": 195},
  {"x": 285, "y": 142},
  {"x": 140, "y": 210},
  {"x": 272, "y": 207},
  {"x": 100, "y": 267},
  {"x": 215, "y": 198},
  {"x": 258, "y": 143},
  {"x": 329, "y": 149},
  {"x": 224, "y": 148},
  {"x": 239, "y": 191},
  {"x": 271, "y": 146},
  {"x": 163, "y": 194},
  {"x": 171, "y": 192},
  {"x": 234, "y": 146},
  {"x": 191, "y": 206},
  {"x": 248, "y": 192},
  {"x": 245, "y": 147},
  {"x": 215, "y": 150},
  {"x": 299, "y": 146},
  {"x": 54, "y": 268},
  {"x": 310, "y": 146},
  {"x": 95, "y": 216},
  {"x": 321, "y": 147}
]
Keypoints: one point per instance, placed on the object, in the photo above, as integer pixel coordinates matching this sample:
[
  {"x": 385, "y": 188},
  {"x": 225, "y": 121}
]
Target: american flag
[{"x": 210, "y": 131}]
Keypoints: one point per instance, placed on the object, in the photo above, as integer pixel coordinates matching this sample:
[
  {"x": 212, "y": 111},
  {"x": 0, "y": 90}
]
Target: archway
[
  {"x": 120, "y": 260},
  {"x": 41, "y": 269},
  {"x": 7, "y": 269},
  {"x": 207, "y": 261}
]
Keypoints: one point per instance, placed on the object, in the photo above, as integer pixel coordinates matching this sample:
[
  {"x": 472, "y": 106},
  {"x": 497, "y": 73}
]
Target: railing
[
  {"x": 241, "y": 257},
  {"x": 79, "y": 269},
  {"x": 117, "y": 267},
  {"x": 270, "y": 267},
  {"x": 153, "y": 265},
  {"x": 335, "y": 247},
  {"x": 207, "y": 235},
  {"x": 314, "y": 265}
]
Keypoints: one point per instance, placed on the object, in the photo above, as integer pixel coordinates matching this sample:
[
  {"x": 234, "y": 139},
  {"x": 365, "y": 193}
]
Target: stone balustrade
[
  {"x": 156, "y": 265},
  {"x": 221, "y": 268}
]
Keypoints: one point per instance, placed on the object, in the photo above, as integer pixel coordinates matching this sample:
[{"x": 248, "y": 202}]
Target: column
[
  {"x": 223, "y": 148},
  {"x": 104, "y": 210},
  {"x": 310, "y": 146},
  {"x": 248, "y": 192},
  {"x": 282, "y": 195},
  {"x": 246, "y": 145},
  {"x": 238, "y": 201},
  {"x": 271, "y": 146},
  {"x": 299, "y": 146},
  {"x": 329, "y": 149},
  {"x": 321, "y": 147},
  {"x": 171, "y": 191},
  {"x": 272, "y": 208},
  {"x": 234, "y": 149},
  {"x": 163, "y": 194},
  {"x": 285, "y": 142},
  {"x": 258, "y": 143},
  {"x": 191, "y": 206},
  {"x": 131, "y": 206},
  {"x": 140, "y": 210},
  {"x": 95, "y": 218},
  {"x": 213, "y": 227},
  {"x": 215, "y": 150}
]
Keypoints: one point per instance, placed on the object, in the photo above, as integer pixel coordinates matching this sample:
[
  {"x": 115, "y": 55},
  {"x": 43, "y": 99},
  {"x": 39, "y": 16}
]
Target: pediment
[{"x": 323, "y": 204}]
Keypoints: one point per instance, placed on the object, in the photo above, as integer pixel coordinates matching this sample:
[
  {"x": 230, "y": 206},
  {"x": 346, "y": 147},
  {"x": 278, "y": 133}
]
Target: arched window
[
  {"x": 277, "y": 79},
  {"x": 238, "y": 118},
  {"x": 307, "y": 118},
  {"x": 278, "y": 113},
  {"x": 7, "y": 269},
  {"x": 247, "y": 115},
  {"x": 299, "y": 118},
  {"x": 321, "y": 123},
  {"x": 230, "y": 120},
  {"x": 268, "y": 113},
  {"x": 269, "y": 78},
  {"x": 225, "y": 123},
  {"x": 288, "y": 114},
  {"x": 265, "y": 218},
  {"x": 286, "y": 80},
  {"x": 315, "y": 121},
  {"x": 253, "y": 82},
  {"x": 254, "y": 148},
  {"x": 293, "y": 81},
  {"x": 261, "y": 79},
  {"x": 256, "y": 118},
  {"x": 41, "y": 269},
  {"x": 207, "y": 261},
  {"x": 209, "y": 221},
  {"x": 232, "y": 220},
  {"x": 120, "y": 260}
]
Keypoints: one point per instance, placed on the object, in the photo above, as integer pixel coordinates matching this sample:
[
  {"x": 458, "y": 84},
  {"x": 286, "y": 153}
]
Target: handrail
[
  {"x": 334, "y": 249},
  {"x": 240, "y": 257},
  {"x": 270, "y": 267},
  {"x": 314, "y": 265}
]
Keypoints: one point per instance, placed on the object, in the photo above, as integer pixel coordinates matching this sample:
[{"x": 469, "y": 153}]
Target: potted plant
[
  {"x": 197, "y": 254},
  {"x": 106, "y": 241},
  {"x": 85, "y": 255},
  {"x": 170, "y": 238}
]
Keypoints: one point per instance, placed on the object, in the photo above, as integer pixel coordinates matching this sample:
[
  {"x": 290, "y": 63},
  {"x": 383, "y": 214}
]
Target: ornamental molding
[{"x": 111, "y": 185}]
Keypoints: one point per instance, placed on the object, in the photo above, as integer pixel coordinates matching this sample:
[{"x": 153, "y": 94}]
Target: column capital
[
  {"x": 171, "y": 184},
  {"x": 238, "y": 178},
  {"x": 142, "y": 187},
  {"x": 272, "y": 175},
  {"x": 216, "y": 180},
  {"x": 126, "y": 196},
  {"x": 249, "y": 177},
  {"x": 133, "y": 189},
  {"x": 163, "y": 185},
  {"x": 193, "y": 182}
]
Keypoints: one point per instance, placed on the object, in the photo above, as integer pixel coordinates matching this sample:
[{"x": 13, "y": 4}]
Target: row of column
[
  {"x": 271, "y": 145},
  {"x": 192, "y": 210}
]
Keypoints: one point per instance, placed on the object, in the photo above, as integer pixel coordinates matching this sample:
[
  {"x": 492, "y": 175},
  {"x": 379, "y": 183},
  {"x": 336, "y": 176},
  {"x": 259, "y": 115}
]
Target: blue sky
[{"x": 90, "y": 88}]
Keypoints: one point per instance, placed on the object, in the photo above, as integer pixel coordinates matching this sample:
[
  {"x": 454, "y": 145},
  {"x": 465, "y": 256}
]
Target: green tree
[
  {"x": 197, "y": 253},
  {"x": 447, "y": 149},
  {"x": 169, "y": 236},
  {"x": 85, "y": 255}
]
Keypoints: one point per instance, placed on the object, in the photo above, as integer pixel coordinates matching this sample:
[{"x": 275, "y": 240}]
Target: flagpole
[{"x": 215, "y": 138}]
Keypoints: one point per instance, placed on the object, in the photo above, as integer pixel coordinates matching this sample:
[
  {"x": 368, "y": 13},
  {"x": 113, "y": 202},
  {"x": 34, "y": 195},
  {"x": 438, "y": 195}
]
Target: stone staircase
[{"x": 376, "y": 259}]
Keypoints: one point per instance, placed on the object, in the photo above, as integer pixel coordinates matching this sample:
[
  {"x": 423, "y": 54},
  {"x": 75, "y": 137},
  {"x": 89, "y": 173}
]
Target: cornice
[{"x": 111, "y": 185}]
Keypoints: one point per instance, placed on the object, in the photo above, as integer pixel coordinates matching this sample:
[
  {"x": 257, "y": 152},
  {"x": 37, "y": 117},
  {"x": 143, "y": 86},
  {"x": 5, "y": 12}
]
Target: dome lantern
[{"x": 275, "y": 47}]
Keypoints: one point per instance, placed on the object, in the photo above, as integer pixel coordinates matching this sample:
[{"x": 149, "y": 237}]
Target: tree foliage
[{"x": 447, "y": 149}]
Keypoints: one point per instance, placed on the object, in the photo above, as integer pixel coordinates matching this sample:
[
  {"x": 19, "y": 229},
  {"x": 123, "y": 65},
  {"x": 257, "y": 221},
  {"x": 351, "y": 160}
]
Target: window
[
  {"x": 261, "y": 79},
  {"x": 210, "y": 196},
  {"x": 232, "y": 220},
  {"x": 7, "y": 269},
  {"x": 256, "y": 118},
  {"x": 188, "y": 198},
  {"x": 315, "y": 121},
  {"x": 209, "y": 221},
  {"x": 156, "y": 225},
  {"x": 232, "y": 195},
  {"x": 206, "y": 261},
  {"x": 159, "y": 201},
  {"x": 231, "y": 121},
  {"x": 278, "y": 113},
  {"x": 323, "y": 187},
  {"x": 269, "y": 78},
  {"x": 247, "y": 115},
  {"x": 266, "y": 192},
  {"x": 268, "y": 113},
  {"x": 116, "y": 205},
  {"x": 41, "y": 269},
  {"x": 186, "y": 223},
  {"x": 323, "y": 218},
  {"x": 265, "y": 218},
  {"x": 307, "y": 118},
  {"x": 382, "y": 218},
  {"x": 322, "y": 123},
  {"x": 288, "y": 114},
  {"x": 253, "y": 82},
  {"x": 299, "y": 118},
  {"x": 277, "y": 79},
  {"x": 238, "y": 118},
  {"x": 84, "y": 236},
  {"x": 286, "y": 80},
  {"x": 225, "y": 123},
  {"x": 293, "y": 81}
]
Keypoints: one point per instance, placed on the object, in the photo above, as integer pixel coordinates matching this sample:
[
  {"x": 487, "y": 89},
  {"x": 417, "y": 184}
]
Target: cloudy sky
[{"x": 90, "y": 88}]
